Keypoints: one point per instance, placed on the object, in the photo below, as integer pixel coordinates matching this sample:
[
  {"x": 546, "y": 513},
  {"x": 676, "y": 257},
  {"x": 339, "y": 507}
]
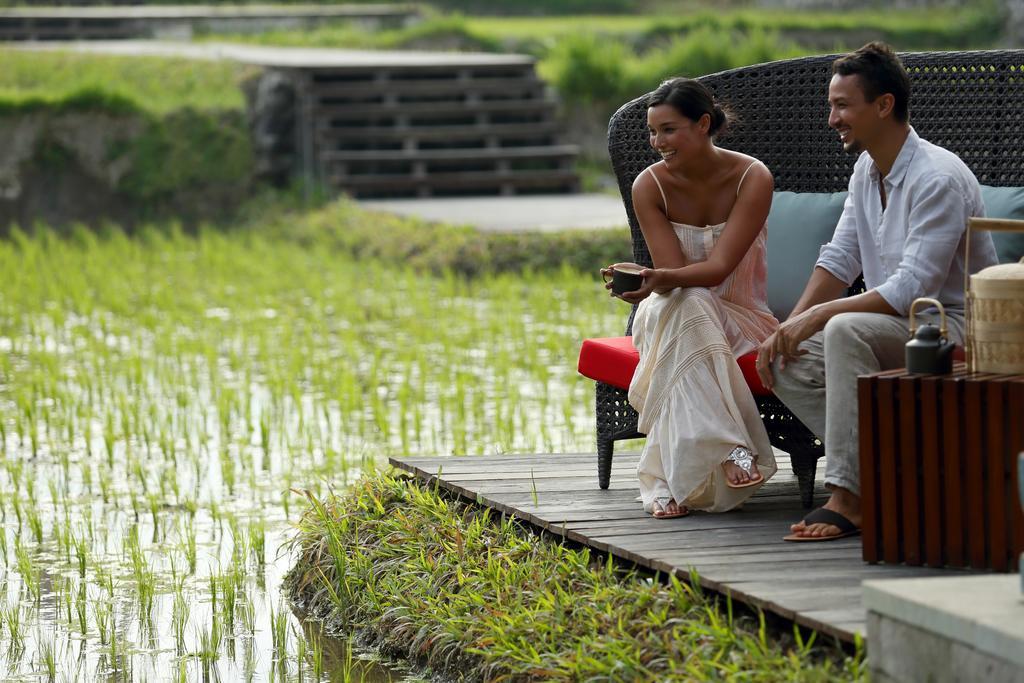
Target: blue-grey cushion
[
  {"x": 1005, "y": 202},
  {"x": 798, "y": 224}
]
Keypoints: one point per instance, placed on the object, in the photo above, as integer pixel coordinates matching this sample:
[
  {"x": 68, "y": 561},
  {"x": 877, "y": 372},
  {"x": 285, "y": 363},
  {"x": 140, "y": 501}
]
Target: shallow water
[{"x": 165, "y": 401}]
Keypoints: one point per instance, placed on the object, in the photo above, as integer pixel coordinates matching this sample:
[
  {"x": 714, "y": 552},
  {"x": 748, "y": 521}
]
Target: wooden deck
[{"x": 741, "y": 553}]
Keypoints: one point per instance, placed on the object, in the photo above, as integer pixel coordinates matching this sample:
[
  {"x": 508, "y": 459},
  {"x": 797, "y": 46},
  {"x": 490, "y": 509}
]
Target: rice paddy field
[{"x": 166, "y": 400}]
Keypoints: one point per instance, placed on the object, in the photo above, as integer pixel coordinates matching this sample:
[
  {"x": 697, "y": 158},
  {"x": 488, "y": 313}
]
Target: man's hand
[{"x": 785, "y": 342}]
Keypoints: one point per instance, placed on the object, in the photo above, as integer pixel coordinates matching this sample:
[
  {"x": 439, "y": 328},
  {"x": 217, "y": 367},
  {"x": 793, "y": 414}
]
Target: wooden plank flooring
[{"x": 739, "y": 553}]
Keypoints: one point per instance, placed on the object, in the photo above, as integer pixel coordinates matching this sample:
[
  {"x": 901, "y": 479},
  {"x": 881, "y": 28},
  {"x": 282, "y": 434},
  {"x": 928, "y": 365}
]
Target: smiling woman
[{"x": 702, "y": 211}]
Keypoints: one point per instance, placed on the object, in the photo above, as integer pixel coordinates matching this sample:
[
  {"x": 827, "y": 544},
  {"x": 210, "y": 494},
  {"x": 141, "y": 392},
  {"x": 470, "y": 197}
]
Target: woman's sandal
[
  {"x": 661, "y": 509},
  {"x": 744, "y": 459}
]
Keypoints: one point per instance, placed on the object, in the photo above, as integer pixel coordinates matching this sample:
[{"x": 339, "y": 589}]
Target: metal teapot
[{"x": 929, "y": 350}]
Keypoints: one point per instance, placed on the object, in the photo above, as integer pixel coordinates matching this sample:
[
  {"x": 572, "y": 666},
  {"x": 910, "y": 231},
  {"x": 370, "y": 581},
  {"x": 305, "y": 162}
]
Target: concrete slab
[
  {"x": 984, "y": 613},
  {"x": 524, "y": 213}
]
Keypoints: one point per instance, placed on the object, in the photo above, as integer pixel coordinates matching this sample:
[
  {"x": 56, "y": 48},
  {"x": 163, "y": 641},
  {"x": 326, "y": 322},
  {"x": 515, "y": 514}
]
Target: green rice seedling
[
  {"x": 54, "y": 498},
  {"x": 82, "y": 608},
  {"x": 258, "y": 541},
  {"x": 227, "y": 469},
  {"x": 153, "y": 503},
  {"x": 248, "y": 612},
  {"x": 210, "y": 640},
  {"x": 109, "y": 438},
  {"x": 188, "y": 543},
  {"x": 265, "y": 432},
  {"x": 16, "y": 506},
  {"x": 81, "y": 549},
  {"x": 279, "y": 631},
  {"x": 30, "y": 574},
  {"x": 11, "y": 617},
  {"x": 317, "y": 657},
  {"x": 347, "y": 671},
  {"x": 146, "y": 590},
  {"x": 212, "y": 579},
  {"x": 48, "y": 660},
  {"x": 106, "y": 484},
  {"x": 179, "y": 619},
  {"x": 64, "y": 596},
  {"x": 229, "y": 600},
  {"x": 103, "y": 617},
  {"x": 300, "y": 654}
]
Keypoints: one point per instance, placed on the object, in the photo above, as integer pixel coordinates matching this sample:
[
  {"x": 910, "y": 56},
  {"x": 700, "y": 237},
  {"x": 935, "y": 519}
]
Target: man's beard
[{"x": 853, "y": 147}]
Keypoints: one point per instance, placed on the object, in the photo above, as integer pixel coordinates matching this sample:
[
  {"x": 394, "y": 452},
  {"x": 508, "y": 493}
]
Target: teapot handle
[{"x": 942, "y": 314}]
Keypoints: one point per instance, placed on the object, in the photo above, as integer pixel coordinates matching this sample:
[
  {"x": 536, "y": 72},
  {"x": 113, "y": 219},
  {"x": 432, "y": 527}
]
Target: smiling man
[{"x": 903, "y": 226}]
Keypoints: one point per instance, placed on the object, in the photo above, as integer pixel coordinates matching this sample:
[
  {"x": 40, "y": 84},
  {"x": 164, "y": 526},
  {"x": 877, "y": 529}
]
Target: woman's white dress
[{"x": 693, "y": 402}]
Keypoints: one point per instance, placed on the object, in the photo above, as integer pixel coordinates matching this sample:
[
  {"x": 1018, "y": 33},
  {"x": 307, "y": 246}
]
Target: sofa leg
[
  {"x": 605, "y": 450},
  {"x": 805, "y": 467}
]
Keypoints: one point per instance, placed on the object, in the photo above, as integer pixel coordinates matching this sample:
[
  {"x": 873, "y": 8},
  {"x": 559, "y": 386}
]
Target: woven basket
[{"x": 997, "y": 315}]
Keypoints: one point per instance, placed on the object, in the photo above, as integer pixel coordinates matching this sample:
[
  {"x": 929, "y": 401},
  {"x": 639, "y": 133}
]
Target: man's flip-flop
[
  {"x": 662, "y": 511},
  {"x": 823, "y": 516}
]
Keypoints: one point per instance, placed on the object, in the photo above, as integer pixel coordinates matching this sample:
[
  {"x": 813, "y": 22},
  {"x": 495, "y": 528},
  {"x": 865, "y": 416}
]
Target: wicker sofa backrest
[{"x": 971, "y": 103}]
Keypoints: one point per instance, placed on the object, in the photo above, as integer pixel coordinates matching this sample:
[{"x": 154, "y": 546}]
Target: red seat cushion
[{"x": 613, "y": 360}]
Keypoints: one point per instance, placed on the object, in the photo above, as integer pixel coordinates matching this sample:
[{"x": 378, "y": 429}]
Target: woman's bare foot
[{"x": 668, "y": 509}]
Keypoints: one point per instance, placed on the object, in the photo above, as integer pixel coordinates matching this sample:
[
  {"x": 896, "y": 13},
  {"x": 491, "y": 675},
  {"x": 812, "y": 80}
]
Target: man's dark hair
[{"x": 881, "y": 72}]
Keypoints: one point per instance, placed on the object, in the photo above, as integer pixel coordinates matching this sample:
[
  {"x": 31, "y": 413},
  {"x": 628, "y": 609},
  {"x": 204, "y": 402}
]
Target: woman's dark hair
[
  {"x": 692, "y": 99},
  {"x": 880, "y": 72}
]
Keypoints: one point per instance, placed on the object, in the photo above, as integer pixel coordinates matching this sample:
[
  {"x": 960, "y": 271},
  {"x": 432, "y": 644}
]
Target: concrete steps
[{"x": 436, "y": 128}]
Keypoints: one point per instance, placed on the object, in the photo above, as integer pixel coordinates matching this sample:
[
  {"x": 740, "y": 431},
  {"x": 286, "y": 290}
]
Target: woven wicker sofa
[{"x": 968, "y": 102}]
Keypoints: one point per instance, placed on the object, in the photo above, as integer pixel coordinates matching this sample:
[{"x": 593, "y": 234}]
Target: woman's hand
[
  {"x": 654, "y": 281},
  {"x": 608, "y": 273}
]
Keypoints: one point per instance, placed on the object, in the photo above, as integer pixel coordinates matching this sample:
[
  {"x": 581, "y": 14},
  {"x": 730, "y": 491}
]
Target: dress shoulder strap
[
  {"x": 657, "y": 182},
  {"x": 744, "y": 176}
]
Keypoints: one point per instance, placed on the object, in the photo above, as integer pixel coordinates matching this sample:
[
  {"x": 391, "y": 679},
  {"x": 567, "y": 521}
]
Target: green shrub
[
  {"x": 587, "y": 68},
  {"x": 187, "y": 150},
  {"x": 594, "y": 70}
]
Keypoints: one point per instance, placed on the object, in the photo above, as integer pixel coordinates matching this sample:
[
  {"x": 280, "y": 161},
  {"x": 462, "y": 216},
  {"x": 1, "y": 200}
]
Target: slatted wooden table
[
  {"x": 938, "y": 458},
  {"x": 739, "y": 553}
]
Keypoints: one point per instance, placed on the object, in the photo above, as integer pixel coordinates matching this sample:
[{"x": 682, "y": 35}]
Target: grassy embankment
[
  {"x": 459, "y": 589},
  {"x": 188, "y": 150}
]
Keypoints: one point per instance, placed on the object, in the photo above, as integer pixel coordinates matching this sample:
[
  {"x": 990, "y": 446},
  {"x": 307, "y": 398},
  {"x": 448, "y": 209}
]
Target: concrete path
[
  {"x": 294, "y": 57},
  {"x": 261, "y": 11},
  {"x": 524, "y": 213}
]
